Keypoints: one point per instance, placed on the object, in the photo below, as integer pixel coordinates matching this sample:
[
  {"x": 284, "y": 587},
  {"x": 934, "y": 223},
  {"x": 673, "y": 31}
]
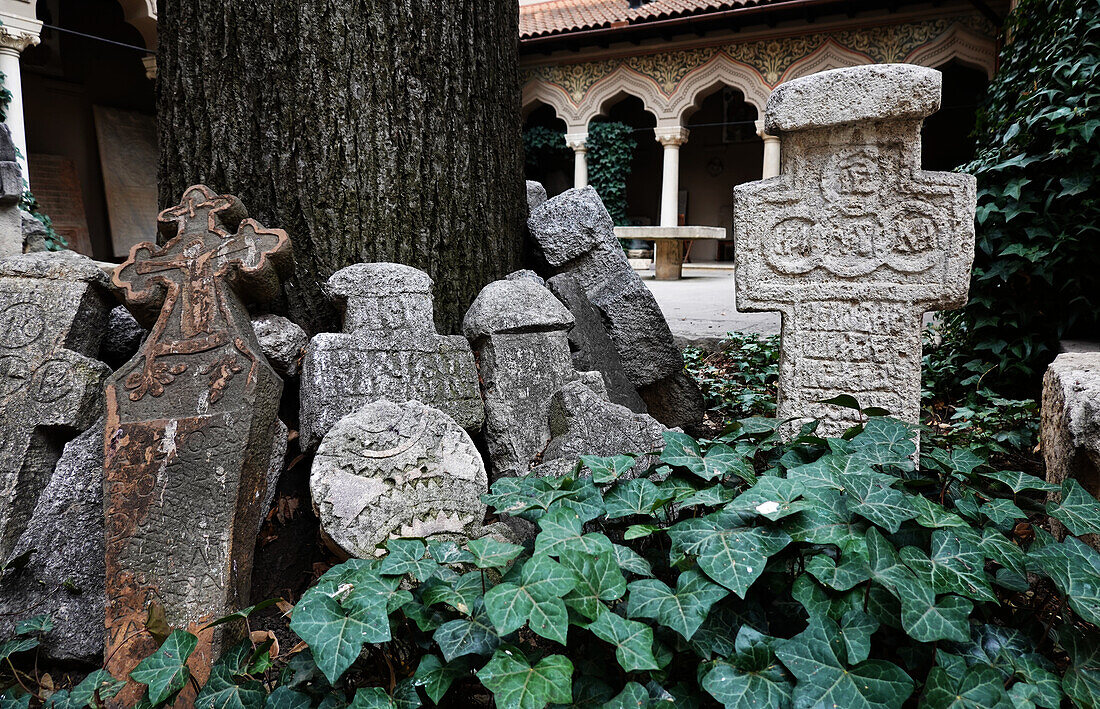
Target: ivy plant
[{"x": 610, "y": 154}]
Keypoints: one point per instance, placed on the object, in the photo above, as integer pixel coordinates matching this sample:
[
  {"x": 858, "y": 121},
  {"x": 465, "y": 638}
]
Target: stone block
[
  {"x": 283, "y": 343},
  {"x": 123, "y": 337},
  {"x": 1070, "y": 423},
  {"x": 536, "y": 195}
]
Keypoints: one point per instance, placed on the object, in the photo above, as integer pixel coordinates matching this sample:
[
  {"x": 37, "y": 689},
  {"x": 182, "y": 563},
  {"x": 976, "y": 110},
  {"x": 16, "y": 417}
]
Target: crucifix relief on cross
[{"x": 853, "y": 242}]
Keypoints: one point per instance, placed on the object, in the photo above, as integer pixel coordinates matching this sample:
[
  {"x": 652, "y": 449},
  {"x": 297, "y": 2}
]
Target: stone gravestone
[
  {"x": 11, "y": 194},
  {"x": 389, "y": 350},
  {"x": 853, "y": 242},
  {"x": 53, "y": 311},
  {"x": 518, "y": 331},
  {"x": 189, "y": 428},
  {"x": 397, "y": 470},
  {"x": 576, "y": 236}
]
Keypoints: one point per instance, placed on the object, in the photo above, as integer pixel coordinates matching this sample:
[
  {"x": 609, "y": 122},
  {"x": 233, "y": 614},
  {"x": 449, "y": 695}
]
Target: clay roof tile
[{"x": 561, "y": 16}]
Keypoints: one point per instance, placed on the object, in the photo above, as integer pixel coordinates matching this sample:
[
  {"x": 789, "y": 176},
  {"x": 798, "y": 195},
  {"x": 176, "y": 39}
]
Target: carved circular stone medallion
[{"x": 397, "y": 470}]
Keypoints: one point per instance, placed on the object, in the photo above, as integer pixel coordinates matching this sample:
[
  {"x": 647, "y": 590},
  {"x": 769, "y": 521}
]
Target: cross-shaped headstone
[
  {"x": 189, "y": 426},
  {"x": 53, "y": 309},
  {"x": 853, "y": 242},
  {"x": 389, "y": 349}
]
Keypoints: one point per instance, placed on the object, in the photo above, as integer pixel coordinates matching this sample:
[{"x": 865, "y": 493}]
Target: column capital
[
  {"x": 577, "y": 141},
  {"x": 671, "y": 135},
  {"x": 150, "y": 63},
  {"x": 766, "y": 137},
  {"x": 17, "y": 33}
]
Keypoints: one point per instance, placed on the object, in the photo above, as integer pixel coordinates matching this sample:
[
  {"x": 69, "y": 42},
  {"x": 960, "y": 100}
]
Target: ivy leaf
[
  {"x": 1082, "y": 680},
  {"x": 733, "y": 557},
  {"x": 598, "y": 579},
  {"x": 878, "y": 502},
  {"x": 814, "y": 657},
  {"x": 436, "y": 678},
  {"x": 772, "y": 497},
  {"x": 37, "y": 624},
  {"x": 467, "y": 636},
  {"x": 607, "y": 469},
  {"x": 460, "y": 594},
  {"x": 932, "y": 514},
  {"x": 856, "y": 627},
  {"x": 1002, "y": 511},
  {"x": 406, "y": 556},
  {"x": 633, "y": 696},
  {"x": 515, "y": 684},
  {"x": 489, "y": 553},
  {"x": 885, "y": 441},
  {"x": 842, "y": 577},
  {"x": 1075, "y": 184},
  {"x": 537, "y": 599},
  {"x": 225, "y": 691},
  {"x": 633, "y": 641},
  {"x": 633, "y": 497},
  {"x": 926, "y": 620},
  {"x": 1018, "y": 482},
  {"x": 371, "y": 698},
  {"x": 956, "y": 565},
  {"x": 980, "y": 687},
  {"x": 1078, "y": 510},
  {"x": 722, "y": 461},
  {"x": 683, "y": 611},
  {"x": 562, "y": 529},
  {"x": 12, "y": 702},
  {"x": 741, "y": 689},
  {"x": 682, "y": 451},
  {"x": 165, "y": 671},
  {"x": 287, "y": 698},
  {"x": 630, "y": 560},
  {"x": 1075, "y": 569},
  {"x": 99, "y": 683},
  {"x": 449, "y": 553},
  {"x": 11, "y": 647}
]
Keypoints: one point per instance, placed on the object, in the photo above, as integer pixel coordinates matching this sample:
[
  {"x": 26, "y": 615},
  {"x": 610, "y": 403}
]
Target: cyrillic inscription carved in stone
[
  {"x": 853, "y": 242},
  {"x": 189, "y": 427},
  {"x": 389, "y": 350},
  {"x": 53, "y": 309},
  {"x": 397, "y": 470}
]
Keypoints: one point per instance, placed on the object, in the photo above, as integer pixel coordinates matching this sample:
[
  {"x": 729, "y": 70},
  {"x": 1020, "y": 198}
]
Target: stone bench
[{"x": 670, "y": 244}]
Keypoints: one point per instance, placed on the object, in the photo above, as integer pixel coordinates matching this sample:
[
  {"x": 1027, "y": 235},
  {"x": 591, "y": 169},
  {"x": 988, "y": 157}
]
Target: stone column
[
  {"x": 771, "y": 152},
  {"x": 579, "y": 143},
  {"x": 671, "y": 138},
  {"x": 16, "y": 34},
  {"x": 150, "y": 64}
]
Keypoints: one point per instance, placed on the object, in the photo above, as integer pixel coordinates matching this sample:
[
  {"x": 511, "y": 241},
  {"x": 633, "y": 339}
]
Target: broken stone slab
[
  {"x": 675, "y": 401},
  {"x": 279, "y": 441},
  {"x": 1070, "y": 422},
  {"x": 11, "y": 194},
  {"x": 536, "y": 195},
  {"x": 582, "y": 423},
  {"x": 853, "y": 242},
  {"x": 53, "y": 309},
  {"x": 283, "y": 342},
  {"x": 397, "y": 470},
  {"x": 591, "y": 346},
  {"x": 123, "y": 337},
  {"x": 64, "y": 575},
  {"x": 188, "y": 435},
  {"x": 34, "y": 232},
  {"x": 518, "y": 332},
  {"x": 389, "y": 349}
]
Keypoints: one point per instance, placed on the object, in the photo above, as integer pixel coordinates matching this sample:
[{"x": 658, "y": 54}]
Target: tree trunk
[{"x": 371, "y": 130}]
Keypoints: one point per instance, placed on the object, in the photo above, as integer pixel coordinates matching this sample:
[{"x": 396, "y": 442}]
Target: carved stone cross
[
  {"x": 189, "y": 426},
  {"x": 53, "y": 309},
  {"x": 853, "y": 242}
]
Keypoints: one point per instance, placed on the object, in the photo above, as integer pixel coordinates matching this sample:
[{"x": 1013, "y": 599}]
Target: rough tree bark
[{"x": 371, "y": 130}]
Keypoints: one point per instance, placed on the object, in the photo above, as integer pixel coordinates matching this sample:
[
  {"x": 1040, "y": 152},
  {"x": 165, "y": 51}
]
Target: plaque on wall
[{"x": 128, "y": 158}]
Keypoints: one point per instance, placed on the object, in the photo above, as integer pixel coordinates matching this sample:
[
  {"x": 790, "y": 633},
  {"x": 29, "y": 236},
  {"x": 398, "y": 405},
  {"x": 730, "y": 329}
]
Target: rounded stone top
[
  {"x": 54, "y": 265},
  {"x": 515, "y": 306},
  {"x": 374, "y": 279},
  {"x": 861, "y": 93}
]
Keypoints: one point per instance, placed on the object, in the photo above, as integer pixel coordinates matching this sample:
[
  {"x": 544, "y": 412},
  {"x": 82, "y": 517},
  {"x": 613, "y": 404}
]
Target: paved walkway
[{"x": 700, "y": 307}]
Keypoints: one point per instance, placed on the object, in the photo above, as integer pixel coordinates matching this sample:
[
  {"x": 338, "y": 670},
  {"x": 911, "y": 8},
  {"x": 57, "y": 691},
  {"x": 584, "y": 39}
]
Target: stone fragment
[
  {"x": 397, "y": 470},
  {"x": 279, "y": 442},
  {"x": 582, "y": 423},
  {"x": 1070, "y": 424},
  {"x": 591, "y": 346},
  {"x": 525, "y": 274},
  {"x": 64, "y": 574},
  {"x": 518, "y": 331},
  {"x": 675, "y": 401},
  {"x": 853, "y": 242},
  {"x": 188, "y": 437},
  {"x": 123, "y": 337},
  {"x": 576, "y": 236},
  {"x": 53, "y": 308},
  {"x": 283, "y": 343},
  {"x": 11, "y": 194},
  {"x": 34, "y": 233},
  {"x": 389, "y": 349},
  {"x": 536, "y": 195}
]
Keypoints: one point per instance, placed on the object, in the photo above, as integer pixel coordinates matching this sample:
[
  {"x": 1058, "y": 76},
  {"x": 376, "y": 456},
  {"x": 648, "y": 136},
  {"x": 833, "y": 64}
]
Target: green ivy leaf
[
  {"x": 598, "y": 579},
  {"x": 885, "y": 442},
  {"x": 371, "y": 698},
  {"x": 1075, "y": 569},
  {"x": 537, "y": 599},
  {"x": 733, "y": 557},
  {"x": 436, "y": 677},
  {"x": 1002, "y": 511},
  {"x": 37, "y": 624},
  {"x": 981, "y": 687},
  {"x": 856, "y": 627},
  {"x": 165, "y": 671},
  {"x": 99, "y": 683},
  {"x": 1082, "y": 679},
  {"x": 449, "y": 553},
  {"x": 467, "y": 636},
  {"x": 1018, "y": 482},
  {"x": 1078, "y": 510},
  {"x": 878, "y": 502},
  {"x": 932, "y": 514},
  {"x": 630, "y": 560},
  {"x": 489, "y": 553},
  {"x": 633, "y": 696},
  {"x": 608, "y": 469},
  {"x": 226, "y": 691},
  {"x": 956, "y": 565},
  {"x": 287, "y": 698},
  {"x": 406, "y": 556},
  {"x": 772, "y": 498},
  {"x": 562, "y": 529},
  {"x": 633, "y": 641},
  {"x": 683, "y": 610},
  {"x": 736, "y": 688},
  {"x": 515, "y": 684},
  {"x": 926, "y": 620},
  {"x": 815, "y": 655},
  {"x": 632, "y": 497},
  {"x": 16, "y": 645}
]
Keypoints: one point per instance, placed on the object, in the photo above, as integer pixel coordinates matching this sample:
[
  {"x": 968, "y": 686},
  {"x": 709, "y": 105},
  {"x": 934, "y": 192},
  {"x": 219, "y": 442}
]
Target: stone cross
[
  {"x": 853, "y": 242},
  {"x": 389, "y": 350},
  {"x": 53, "y": 310},
  {"x": 189, "y": 426}
]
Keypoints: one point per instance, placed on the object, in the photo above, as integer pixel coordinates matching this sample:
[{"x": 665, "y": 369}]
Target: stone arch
[
  {"x": 623, "y": 80},
  {"x": 537, "y": 91},
  {"x": 830, "y": 55},
  {"x": 706, "y": 79},
  {"x": 962, "y": 44},
  {"x": 142, "y": 14}
]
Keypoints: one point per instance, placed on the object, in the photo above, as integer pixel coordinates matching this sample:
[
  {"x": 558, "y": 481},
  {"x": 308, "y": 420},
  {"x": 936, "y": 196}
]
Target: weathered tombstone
[
  {"x": 189, "y": 429},
  {"x": 853, "y": 242},
  {"x": 11, "y": 193},
  {"x": 518, "y": 332},
  {"x": 389, "y": 350},
  {"x": 576, "y": 236},
  {"x": 53, "y": 308},
  {"x": 63, "y": 576},
  {"x": 397, "y": 470}
]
